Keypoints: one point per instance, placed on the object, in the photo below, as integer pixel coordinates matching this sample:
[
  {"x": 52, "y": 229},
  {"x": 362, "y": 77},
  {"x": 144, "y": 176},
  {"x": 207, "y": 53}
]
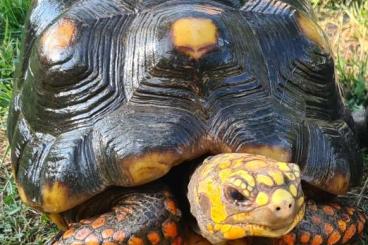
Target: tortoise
[{"x": 118, "y": 102}]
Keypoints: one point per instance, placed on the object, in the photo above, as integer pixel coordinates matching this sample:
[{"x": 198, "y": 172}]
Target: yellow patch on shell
[
  {"x": 264, "y": 179},
  {"x": 225, "y": 164},
  {"x": 262, "y": 199},
  {"x": 293, "y": 190},
  {"x": 58, "y": 38},
  {"x": 149, "y": 167},
  {"x": 22, "y": 194},
  {"x": 312, "y": 31},
  {"x": 58, "y": 221},
  {"x": 194, "y": 36},
  {"x": 56, "y": 198},
  {"x": 290, "y": 176},
  {"x": 277, "y": 177}
]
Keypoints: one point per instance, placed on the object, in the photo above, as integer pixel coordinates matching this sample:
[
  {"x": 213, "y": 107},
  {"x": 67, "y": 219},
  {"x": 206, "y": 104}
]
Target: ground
[{"x": 345, "y": 23}]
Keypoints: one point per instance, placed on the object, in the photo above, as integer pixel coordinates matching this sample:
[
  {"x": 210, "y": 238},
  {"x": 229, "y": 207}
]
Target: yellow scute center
[{"x": 194, "y": 36}]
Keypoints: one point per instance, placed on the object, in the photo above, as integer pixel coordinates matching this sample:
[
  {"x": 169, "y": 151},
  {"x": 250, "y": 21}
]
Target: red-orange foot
[
  {"x": 327, "y": 224},
  {"x": 137, "y": 219}
]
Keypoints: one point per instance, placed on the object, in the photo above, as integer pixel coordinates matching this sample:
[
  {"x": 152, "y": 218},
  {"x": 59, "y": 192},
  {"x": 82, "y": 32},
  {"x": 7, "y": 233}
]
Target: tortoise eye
[{"x": 235, "y": 195}]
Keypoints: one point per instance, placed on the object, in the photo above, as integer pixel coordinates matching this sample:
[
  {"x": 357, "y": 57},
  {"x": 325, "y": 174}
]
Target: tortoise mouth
[{"x": 268, "y": 231}]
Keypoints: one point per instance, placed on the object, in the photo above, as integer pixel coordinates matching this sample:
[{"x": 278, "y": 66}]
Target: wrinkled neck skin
[{"x": 233, "y": 196}]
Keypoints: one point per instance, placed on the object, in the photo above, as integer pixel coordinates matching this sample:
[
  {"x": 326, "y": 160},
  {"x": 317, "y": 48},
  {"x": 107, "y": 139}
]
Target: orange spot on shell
[
  {"x": 92, "y": 240},
  {"x": 59, "y": 37},
  {"x": 334, "y": 238},
  {"x": 98, "y": 222},
  {"x": 349, "y": 233},
  {"x": 154, "y": 237},
  {"x": 109, "y": 243},
  {"x": 83, "y": 233},
  {"x": 170, "y": 229},
  {"x": 305, "y": 237},
  {"x": 328, "y": 210},
  {"x": 289, "y": 239},
  {"x": 317, "y": 240},
  {"x": 342, "y": 225},
  {"x": 135, "y": 241},
  {"x": 107, "y": 233},
  {"x": 69, "y": 233},
  {"x": 119, "y": 236},
  {"x": 328, "y": 228}
]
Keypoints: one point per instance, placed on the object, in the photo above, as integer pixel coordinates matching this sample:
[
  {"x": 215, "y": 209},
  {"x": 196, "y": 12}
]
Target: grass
[{"x": 344, "y": 21}]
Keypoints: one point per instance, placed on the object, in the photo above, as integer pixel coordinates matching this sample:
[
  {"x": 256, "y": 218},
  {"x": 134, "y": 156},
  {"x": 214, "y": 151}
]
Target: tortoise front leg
[
  {"x": 329, "y": 223},
  {"x": 137, "y": 218}
]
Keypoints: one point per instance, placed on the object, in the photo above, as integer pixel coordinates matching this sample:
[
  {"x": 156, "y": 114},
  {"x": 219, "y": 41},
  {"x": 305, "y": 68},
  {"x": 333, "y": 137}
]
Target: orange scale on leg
[
  {"x": 107, "y": 233},
  {"x": 334, "y": 238},
  {"x": 305, "y": 237},
  {"x": 92, "y": 240},
  {"x": 135, "y": 241},
  {"x": 328, "y": 228},
  {"x": 316, "y": 220},
  {"x": 349, "y": 233},
  {"x": 83, "y": 233},
  {"x": 153, "y": 237},
  {"x": 328, "y": 210},
  {"x": 171, "y": 206},
  {"x": 101, "y": 221},
  {"x": 342, "y": 225},
  {"x": 119, "y": 236},
  {"x": 170, "y": 229},
  {"x": 69, "y": 233},
  {"x": 288, "y": 239},
  {"x": 350, "y": 211},
  {"x": 317, "y": 240}
]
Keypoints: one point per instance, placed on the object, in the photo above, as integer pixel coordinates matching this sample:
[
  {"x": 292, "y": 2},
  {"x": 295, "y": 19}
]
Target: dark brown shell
[{"x": 103, "y": 97}]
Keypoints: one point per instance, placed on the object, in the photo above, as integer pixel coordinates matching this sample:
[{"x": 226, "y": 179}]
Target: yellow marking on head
[
  {"x": 59, "y": 37},
  {"x": 243, "y": 186},
  {"x": 290, "y": 175},
  {"x": 194, "y": 36},
  {"x": 58, "y": 221},
  {"x": 246, "y": 176},
  {"x": 281, "y": 195},
  {"x": 245, "y": 193},
  {"x": 235, "y": 232},
  {"x": 240, "y": 217},
  {"x": 225, "y": 228},
  {"x": 255, "y": 165},
  {"x": 264, "y": 179},
  {"x": 262, "y": 199},
  {"x": 238, "y": 182},
  {"x": 300, "y": 201},
  {"x": 277, "y": 177},
  {"x": 312, "y": 31},
  {"x": 56, "y": 198},
  {"x": 213, "y": 192},
  {"x": 225, "y": 164},
  {"x": 210, "y": 228},
  {"x": 283, "y": 166},
  {"x": 149, "y": 167},
  {"x": 293, "y": 190}
]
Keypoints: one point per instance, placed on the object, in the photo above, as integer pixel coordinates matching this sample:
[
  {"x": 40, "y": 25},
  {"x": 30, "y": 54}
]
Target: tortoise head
[{"x": 236, "y": 195}]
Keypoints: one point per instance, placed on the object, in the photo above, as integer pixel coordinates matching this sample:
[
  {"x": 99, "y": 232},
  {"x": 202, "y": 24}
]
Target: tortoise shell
[{"x": 117, "y": 92}]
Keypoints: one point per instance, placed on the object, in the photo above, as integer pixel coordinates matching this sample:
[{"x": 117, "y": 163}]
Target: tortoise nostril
[
  {"x": 278, "y": 208},
  {"x": 290, "y": 205}
]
